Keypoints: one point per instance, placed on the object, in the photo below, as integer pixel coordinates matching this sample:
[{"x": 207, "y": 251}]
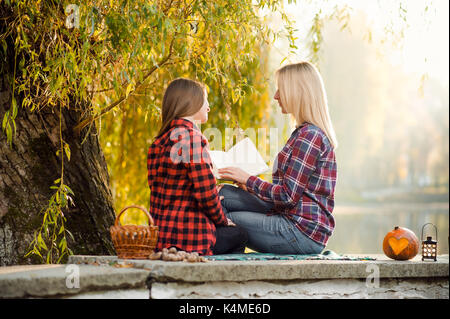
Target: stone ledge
[
  {"x": 334, "y": 278},
  {"x": 411, "y": 288},
  {"x": 50, "y": 280},
  {"x": 213, "y": 271}
]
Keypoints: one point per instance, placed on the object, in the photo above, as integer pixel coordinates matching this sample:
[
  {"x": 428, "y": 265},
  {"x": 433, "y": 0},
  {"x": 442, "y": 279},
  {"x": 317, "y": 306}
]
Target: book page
[
  {"x": 219, "y": 158},
  {"x": 243, "y": 155}
]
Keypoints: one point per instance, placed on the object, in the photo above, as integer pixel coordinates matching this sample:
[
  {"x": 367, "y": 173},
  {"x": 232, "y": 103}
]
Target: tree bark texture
[{"x": 30, "y": 166}]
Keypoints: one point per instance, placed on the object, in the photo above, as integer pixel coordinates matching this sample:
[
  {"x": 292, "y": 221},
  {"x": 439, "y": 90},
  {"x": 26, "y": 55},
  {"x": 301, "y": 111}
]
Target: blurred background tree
[{"x": 385, "y": 68}]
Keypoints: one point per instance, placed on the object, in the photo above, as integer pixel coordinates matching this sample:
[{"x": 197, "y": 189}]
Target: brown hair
[{"x": 183, "y": 97}]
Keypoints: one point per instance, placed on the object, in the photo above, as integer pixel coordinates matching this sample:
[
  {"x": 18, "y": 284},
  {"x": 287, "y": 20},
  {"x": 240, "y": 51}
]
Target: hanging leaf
[
  {"x": 5, "y": 120},
  {"x": 41, "y": 242},
  {"x": 67, "y": 150},
  {"x": 129, "y": 89},
  {"x": 14, "y": 107}
]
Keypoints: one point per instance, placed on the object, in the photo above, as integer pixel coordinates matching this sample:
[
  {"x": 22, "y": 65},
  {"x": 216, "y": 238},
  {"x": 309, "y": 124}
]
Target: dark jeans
[
  {"x": 266, "y": 233},
  {"x": 230, "y": 240}
]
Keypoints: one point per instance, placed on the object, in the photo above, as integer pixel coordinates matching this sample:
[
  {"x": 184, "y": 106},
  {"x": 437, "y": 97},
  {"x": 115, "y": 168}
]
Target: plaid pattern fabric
[
  {"x": 304, "y": 179},
  {"x": 326, "y": 255},
  {"x": 183, "y": 201}
]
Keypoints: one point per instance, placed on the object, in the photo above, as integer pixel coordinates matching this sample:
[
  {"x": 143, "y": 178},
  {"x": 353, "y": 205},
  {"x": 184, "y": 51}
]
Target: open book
[{"x": 243, "y": 155}]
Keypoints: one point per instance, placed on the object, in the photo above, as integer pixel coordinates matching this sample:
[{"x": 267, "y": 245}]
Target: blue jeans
[{"x": 266, "y": 233}]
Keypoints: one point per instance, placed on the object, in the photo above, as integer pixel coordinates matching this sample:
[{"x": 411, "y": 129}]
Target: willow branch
[{"x": 77, "y": 129}]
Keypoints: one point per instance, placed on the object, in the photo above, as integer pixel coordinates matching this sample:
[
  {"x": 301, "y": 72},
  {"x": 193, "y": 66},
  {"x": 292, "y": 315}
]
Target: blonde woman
[{"x": 292, "y": 215}]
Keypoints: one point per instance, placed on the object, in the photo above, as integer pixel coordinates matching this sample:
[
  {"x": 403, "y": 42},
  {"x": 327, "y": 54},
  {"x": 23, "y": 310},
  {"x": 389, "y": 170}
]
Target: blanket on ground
[{"x": 326, "y": 255}]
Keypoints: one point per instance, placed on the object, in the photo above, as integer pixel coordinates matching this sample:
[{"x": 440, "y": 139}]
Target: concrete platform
[
  {"x": 41, "y": 281},
  {"x": 284, "y": 269},
  {"x": 110, "y": 277}
]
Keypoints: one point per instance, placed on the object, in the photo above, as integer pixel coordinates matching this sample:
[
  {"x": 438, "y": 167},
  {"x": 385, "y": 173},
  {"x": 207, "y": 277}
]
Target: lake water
[{"x": 361, "y": 229}]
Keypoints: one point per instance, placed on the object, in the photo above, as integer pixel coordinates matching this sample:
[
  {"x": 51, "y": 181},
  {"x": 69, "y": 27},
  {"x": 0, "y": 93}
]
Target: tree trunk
[{"x": 29, "y": 168}]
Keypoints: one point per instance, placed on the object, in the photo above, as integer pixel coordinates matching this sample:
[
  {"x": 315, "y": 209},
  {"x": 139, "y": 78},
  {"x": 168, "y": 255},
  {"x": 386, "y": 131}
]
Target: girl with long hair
[{"x": 184, "y": 201}]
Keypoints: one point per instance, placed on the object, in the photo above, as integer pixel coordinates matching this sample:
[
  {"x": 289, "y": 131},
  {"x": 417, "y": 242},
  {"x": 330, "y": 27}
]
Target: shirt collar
[
  {"x": 297, "y": 127},
  {"x": 183, "y": 122}
]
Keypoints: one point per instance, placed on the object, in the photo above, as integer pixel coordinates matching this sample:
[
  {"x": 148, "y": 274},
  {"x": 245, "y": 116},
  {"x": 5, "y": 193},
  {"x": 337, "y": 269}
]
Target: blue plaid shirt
[{"x": 304, "y": 178}]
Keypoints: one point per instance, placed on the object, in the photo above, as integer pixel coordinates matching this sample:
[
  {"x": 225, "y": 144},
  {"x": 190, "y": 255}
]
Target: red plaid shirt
[
  {"x": 183, "y": 201},
  {"x": 304, "y": 179}
]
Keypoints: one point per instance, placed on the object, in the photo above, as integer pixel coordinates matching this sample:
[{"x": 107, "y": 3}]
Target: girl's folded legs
[{"x": 230, "y": 240}]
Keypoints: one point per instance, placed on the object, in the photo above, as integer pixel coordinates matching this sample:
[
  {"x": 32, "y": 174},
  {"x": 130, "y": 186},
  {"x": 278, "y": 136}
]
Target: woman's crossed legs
[{"x": 266, "y": 233}]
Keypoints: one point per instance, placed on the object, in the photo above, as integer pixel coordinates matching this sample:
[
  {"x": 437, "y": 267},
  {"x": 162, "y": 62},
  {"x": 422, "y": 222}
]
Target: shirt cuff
[{"x": 252, "y": 183}]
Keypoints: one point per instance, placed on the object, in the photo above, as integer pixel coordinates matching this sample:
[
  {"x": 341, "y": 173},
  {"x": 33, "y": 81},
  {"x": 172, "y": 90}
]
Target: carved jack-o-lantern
[{"x": 401, "y": 244}]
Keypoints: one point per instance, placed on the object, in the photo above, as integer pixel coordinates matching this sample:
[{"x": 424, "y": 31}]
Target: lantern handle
[{"x": 421, "y": 236}]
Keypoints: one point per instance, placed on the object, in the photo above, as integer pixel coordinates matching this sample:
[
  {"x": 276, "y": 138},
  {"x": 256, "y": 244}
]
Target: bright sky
[{"x": 426, "y": 41}]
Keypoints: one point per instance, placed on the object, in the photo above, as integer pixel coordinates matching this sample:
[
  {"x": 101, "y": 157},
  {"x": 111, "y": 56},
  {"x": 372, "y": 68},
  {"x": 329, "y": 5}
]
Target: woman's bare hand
[
  {"x": 242, "y": 186},
  {"x": 234, "y": 174},
  {"x": 219, "y": 187},
  {"x": 230, "y": 222}
]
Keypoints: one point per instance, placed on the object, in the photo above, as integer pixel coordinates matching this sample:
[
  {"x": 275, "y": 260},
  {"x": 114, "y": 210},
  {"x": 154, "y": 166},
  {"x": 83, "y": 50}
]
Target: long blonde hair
[
  {"x": 302, "y": 93},
  {"x": 183, "y": 97}
]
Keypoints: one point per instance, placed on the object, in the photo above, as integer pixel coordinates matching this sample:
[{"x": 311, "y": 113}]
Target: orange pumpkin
[{"x": 401, "y": 244}]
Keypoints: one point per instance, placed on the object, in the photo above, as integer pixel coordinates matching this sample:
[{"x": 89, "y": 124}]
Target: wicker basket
[{"x": 134, "y": 241}]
